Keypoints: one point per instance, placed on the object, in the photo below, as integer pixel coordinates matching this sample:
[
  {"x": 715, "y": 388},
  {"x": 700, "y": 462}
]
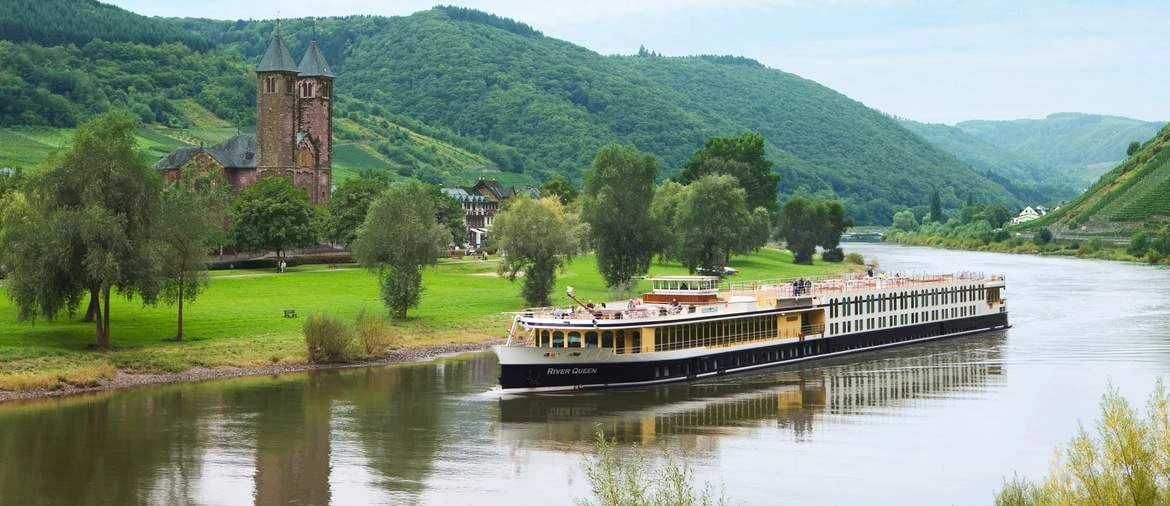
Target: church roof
[
  {"x": 313, "y": 64},
  {"x": 277, "y": 58},
  {"x": 237, "y": 152}
]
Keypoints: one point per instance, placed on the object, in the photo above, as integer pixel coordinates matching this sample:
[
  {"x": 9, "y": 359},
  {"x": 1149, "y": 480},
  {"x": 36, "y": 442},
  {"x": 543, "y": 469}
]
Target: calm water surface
[{"x": 940, "y": 423}]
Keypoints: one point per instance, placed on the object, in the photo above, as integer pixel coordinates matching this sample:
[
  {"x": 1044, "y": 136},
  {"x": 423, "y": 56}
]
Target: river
[{"x": 939, "y": 423}]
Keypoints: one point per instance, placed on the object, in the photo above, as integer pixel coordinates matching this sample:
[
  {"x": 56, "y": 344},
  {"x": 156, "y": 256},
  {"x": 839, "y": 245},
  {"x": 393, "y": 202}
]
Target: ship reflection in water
[{"x": 795, "y": 398}]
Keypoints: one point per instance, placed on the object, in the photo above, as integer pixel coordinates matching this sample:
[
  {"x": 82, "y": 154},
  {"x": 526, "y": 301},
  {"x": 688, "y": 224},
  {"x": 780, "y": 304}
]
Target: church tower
[
  {"x": 314, "y": 115},
  {"x": 276, "y": 111}
]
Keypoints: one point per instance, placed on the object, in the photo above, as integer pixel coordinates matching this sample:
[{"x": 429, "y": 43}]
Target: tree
[
  {"x": 935, "y": 207},
  {"x": 561, "y": 187},
  {"x": 616, "y": 205},
  {"x": 399, "y": 237},
  {"x": 1128, "y": 462},
  {"x": 537, "y": 238},
  {"x": 800, "y": 224},
  {"x": 84, "y": 226},
  {"x": 449, "y": 214},
  {"x": 833, "y": 224},
  {"x": 904, "y": 220},
  {"x": 349, "y": 203},
  {"x": 757, "y": 233},
  {"x": 1134, "y": 147},
  {"x": 272, "y": 215},
  {"x": 712, "y": 216},
  {"x": 663, "y": 209},
  {"x": 1139, "y": 244},
  {"x": 186, "y": 231},
  {"x": 741, "y": 156}
]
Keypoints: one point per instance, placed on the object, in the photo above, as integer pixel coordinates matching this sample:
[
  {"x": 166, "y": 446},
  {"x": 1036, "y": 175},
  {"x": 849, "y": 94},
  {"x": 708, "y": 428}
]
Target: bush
[
  {"x": 327, "y": 339},
  {"x": 373, "y": 332},
  {"x": 833, "y": 255},
  {"x": 855, "y": 259},
  {"x": 633, "y": 480},
  {"x": 1139, "y": 244},
  {"x": 1042, "y": 237},
  {"x": 1124, "y": 464}
]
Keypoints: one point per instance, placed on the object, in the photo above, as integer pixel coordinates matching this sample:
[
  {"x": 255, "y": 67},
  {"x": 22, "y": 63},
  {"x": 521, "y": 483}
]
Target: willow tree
[
  {"x": 537, "y": 238},
  {"x": 85, "y": 227},
  {"x": 398, "y": 238},
  {"x": 616, "y": 205}
]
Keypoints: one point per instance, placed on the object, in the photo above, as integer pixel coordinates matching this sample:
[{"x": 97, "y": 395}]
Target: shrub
[
  {"x": 633, "y": 480},
  {"x": 1042, "y": 237},
  {"x": 855, "y": 259},
  {"x": 373, "y": 332},
  {"x": 327, "y": 339},
  {"x": 1124, "y": 464},
  {"x": 833, "y": 255},
  {"x": 1139, "y": 244}
]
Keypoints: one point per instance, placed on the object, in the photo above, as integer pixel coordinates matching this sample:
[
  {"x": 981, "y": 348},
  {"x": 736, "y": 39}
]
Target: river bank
[
  {"x": 1094, "y": 249},
  {"x": 127, "y": 379}
]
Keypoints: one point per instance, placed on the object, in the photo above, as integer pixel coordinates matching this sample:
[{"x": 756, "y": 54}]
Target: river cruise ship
[{"x": 691, "y": 327}]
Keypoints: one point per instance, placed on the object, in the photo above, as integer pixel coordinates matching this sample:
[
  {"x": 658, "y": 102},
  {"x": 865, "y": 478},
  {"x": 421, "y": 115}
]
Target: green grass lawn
[{"x": 238, "y": 320}]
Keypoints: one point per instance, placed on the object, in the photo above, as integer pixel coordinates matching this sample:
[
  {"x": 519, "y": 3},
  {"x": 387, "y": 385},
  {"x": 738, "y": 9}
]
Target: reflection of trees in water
[
  {"x": 131, "y": 448},
  {"x": 789, "y": 398}
]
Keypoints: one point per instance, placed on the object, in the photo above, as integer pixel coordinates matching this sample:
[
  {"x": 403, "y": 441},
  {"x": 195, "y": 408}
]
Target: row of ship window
[
  {"x": 615, "y": 339},
  {"x": 913, "y": 299},
  {"x": 881, "y": 322}
]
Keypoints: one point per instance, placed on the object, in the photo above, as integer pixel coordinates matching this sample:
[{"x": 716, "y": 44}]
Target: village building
[
  {"x": 294, "y": 129},
  {"x": 1028, "y": 214},
  {"x": 480, "y": 203}
]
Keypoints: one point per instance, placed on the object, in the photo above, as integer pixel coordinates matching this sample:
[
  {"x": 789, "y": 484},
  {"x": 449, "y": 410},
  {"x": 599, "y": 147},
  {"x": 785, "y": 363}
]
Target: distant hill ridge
[{"x": 497, "y": 88}]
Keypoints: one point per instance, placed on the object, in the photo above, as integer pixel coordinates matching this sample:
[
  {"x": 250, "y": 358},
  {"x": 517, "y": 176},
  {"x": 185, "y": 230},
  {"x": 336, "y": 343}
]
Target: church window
[
  {"x": 288, "y": 86},
  {"x": 270, "y": 85},
  {"x": 306, "y": 89}
]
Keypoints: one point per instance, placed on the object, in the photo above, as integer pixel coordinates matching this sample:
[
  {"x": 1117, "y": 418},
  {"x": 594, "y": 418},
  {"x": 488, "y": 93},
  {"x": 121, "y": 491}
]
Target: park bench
[{"x": 290, "y": 313}]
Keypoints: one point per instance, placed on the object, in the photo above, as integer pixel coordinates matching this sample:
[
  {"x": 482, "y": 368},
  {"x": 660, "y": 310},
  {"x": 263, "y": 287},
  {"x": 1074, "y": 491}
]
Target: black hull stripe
[{"x": 535, "y": 377}]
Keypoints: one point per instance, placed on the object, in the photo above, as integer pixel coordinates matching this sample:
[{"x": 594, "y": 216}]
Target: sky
[{"x": 926, "y": 60}]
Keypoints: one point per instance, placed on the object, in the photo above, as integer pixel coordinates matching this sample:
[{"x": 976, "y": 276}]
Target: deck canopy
[{"x": 685, "y": 285}]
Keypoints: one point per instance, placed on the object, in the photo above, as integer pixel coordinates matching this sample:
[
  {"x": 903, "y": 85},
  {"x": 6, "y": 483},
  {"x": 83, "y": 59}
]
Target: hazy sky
[{"x": 936, "y": 61}]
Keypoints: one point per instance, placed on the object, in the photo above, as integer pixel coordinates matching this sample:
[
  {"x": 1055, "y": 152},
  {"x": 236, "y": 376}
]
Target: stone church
[{"x": 294, "y": 129}]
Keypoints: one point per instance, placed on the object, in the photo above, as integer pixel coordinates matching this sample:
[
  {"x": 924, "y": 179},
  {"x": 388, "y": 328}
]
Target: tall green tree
[
  {"x": 743, "y": 157},
  {"x": 399, "y": 237},
  {"x": 806, "y": 224},
  {"x": 272, "y": 215},
  {"x": 561, "y": 187},
  {"x": 935, "y": 207},
  {"x": 801, "y": 225},
  {"x": 1134, "y": 147},
  {"x": 537, "y": 238},
  {"x": 616, "y": 205},
  {"x": 711, "y": 219},
  {"x": 84, "y": 226},
  {"x": 186, "y": 231},
  {"x": 349, "y": 204},
  {"x": 664, "y": 209}
]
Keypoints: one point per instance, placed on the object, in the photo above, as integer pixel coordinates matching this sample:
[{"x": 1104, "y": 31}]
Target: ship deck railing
[{"x": 854, "y": 282}]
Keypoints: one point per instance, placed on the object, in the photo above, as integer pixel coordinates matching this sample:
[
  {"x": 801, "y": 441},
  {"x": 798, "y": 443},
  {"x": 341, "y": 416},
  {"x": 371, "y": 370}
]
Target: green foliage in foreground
[
  {"x": 634, "y": 478},
  {"x": 1126, "y": 462}
]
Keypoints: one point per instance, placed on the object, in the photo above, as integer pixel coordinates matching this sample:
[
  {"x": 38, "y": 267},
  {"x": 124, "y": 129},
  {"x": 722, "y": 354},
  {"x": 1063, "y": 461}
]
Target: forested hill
[
  {"x": 1133, "y": 196},
  {"x": 532, "y": 104},
  {"x": 1079, "y": 146},
  {"x": 556, "y": 104},
  {"x": 53, "y": 22}
]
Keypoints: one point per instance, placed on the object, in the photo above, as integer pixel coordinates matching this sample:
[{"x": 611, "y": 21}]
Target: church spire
[
  {"x": 277, "y": 57},
  {"x": 313, "y": 64}
]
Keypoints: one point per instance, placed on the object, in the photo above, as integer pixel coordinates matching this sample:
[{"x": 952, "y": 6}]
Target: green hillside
[
  {"x": 447, "y": 93},
  {"x": 1079, "y": 146},
  {"x": 1037, "y": 182},
  {"x": 1134, "y": 195}
]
